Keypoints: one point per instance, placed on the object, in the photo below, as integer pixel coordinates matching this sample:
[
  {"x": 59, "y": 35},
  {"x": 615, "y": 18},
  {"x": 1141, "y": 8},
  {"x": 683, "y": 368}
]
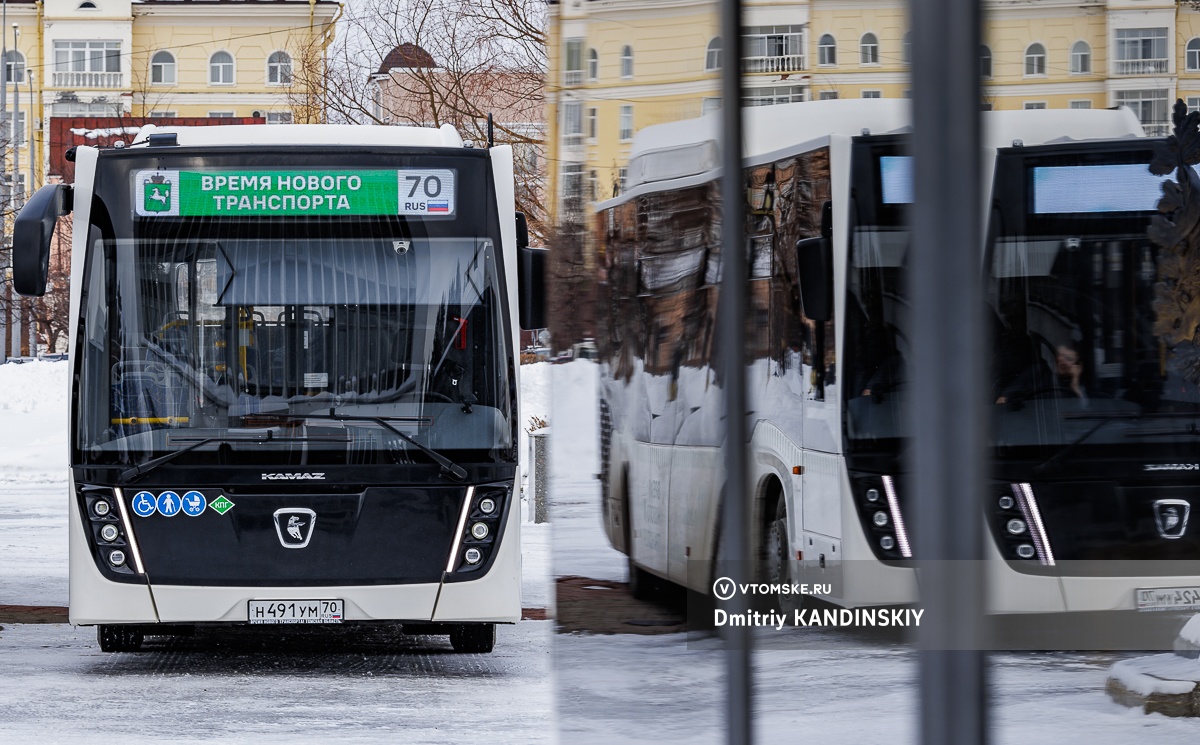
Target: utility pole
[
  {"x": 5, "y": 193},
  {"x": 735, "y": 543},
  {"x": 948, "y": 463},
  {"x": 14, "y": 193}
]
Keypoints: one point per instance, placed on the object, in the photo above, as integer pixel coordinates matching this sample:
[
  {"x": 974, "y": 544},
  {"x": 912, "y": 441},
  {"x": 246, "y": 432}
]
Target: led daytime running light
[
  {"x": 133, "y": 545},
  {"x": 1033, "y": 518},
  {"x": 889, "y": 488},
  {"x": 462, "y": 520}
]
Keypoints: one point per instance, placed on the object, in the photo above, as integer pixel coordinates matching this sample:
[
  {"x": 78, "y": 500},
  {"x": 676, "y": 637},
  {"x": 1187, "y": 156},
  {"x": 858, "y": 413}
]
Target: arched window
[
  {"x": 906, "y": 48},
  {"x": 1035, "y": 60},
  {"x": 220, "y": 69},
  {"x": 162, "y": 68},
  {"x": 87, "y": 5},
  {"x": 627, "y": 61},
  {"x": 827, "y": 50},
  {"x": 593, "y": 65},
  {"x": 1081, "y": 57},
  {"x": 985, "y": 61},
  {"x": 712, "y": 56},
  {"x": 14, "y": 67},
  {"x": 1193, "y": 55},
  {"x": 868, "y": 50},
  {"x": 279, "y": 69}
]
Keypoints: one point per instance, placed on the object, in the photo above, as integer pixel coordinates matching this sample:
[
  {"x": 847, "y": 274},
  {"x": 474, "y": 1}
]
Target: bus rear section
[{"x": 294, "y": 382}]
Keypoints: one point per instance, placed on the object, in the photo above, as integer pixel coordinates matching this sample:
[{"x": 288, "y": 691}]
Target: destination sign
[{"x": 428, "y": 192}]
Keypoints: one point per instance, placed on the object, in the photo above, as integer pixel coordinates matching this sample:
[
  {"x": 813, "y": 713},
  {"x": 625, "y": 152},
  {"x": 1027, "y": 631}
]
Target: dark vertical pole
[
  {"x": 947, "y": 368},
  {"x": 735, "y": 518}
]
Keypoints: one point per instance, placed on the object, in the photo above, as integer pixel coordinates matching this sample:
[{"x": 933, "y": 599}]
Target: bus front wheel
[
  {"x": 479, "y": 638},
  {"x": 119, "y": 638}
]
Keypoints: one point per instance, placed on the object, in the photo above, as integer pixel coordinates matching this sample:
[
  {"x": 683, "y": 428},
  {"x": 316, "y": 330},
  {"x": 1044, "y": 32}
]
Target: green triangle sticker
[{"x": 220, "y": 505}]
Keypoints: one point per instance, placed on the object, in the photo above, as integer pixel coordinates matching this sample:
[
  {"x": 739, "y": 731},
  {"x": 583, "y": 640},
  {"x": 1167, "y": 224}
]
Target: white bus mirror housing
[
  {"x": 532, "y": 287},
  {"x": 32, "y": 233}
]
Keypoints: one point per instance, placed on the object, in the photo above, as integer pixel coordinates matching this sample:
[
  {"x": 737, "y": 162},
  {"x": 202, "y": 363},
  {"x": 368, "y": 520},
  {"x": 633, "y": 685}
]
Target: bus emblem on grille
[
  {"x": 1172, "y": 517},
  {"x": 294, "y": 526}
]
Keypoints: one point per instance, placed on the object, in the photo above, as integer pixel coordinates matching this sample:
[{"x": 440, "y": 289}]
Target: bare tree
[
  {"x": 52, "y": 311},
  {"x": 458, "y": 61},
  {"x": 308, "y": 77},
  {"x": 570, "y": 282}
]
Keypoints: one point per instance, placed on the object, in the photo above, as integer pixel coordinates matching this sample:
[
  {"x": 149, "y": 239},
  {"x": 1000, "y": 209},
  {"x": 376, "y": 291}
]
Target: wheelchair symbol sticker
[
  {"x": 143, "y": 504},
  {"x": 194, "y": 503},
  {"x": 168, "y": 504}
]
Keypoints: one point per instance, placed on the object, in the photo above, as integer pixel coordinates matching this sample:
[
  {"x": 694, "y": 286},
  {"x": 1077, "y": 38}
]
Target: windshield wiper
[
  {"x": 144, "y": 468},
  {"x": 448, "y": 467}
]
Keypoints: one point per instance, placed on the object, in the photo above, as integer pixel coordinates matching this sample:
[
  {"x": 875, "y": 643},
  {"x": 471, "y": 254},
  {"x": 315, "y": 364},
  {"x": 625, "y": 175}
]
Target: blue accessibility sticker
[
  {"x": 143, "y": 504},
  {"x": 168, "y": 504},
  {"x": 194, "y": 503}
]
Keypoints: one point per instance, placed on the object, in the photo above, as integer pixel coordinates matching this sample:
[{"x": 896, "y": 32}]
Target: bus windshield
[
  {"x": 877, "y": 333},
  {"x": 1080, "y": 298},
  {"x": 1078, "y": 367},
  {"x": 235, "y": 329}
]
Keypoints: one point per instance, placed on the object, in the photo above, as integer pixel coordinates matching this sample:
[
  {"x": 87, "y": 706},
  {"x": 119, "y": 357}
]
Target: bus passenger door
[{"x": 650, "y": 456}]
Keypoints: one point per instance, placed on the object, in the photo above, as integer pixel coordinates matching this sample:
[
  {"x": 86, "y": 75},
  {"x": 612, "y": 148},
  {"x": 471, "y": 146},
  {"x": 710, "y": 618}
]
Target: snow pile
[
  {"x": 1159, "y": 673},
  {"x": 1190, "y": 632},
  {"x": 575, "y": 446},
  {"x": 581, "y": 547},
  {"x": 33, "y": 420}
]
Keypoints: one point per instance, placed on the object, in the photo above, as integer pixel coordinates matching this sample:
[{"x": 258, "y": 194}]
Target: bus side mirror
[
  {"x": 32, "y": 233},
  {"x": 532, "y": 287},
  {"x": 522, "y": 230},
  {"x": 814, "y": 263}
]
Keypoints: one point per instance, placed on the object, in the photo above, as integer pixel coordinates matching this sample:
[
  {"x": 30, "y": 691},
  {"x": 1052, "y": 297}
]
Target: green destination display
[{"x": 278, "y": 193}]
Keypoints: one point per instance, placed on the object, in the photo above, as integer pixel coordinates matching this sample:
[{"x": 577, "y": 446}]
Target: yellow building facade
[
  {"x": 619, "y": 65},
  {"x": 157, "y": 58}
]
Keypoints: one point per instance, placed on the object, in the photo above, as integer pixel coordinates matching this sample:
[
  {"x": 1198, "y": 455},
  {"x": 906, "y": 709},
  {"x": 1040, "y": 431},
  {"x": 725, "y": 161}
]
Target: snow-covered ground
[
  {"x": 580, "y": 547},
  {"x": 334, "y": 686}
]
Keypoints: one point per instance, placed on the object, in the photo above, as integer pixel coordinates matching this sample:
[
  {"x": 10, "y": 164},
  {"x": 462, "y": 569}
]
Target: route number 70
[{"x": 430, "y": 184}]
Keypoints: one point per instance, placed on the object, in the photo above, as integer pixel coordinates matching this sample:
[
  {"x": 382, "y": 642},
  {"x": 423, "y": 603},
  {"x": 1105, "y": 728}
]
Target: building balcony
[
  {"x": 79, "y": 80},
  {"x": 1141, "y": 66},
  {"x": 573, "y": 77},
  {"x": 780, "y": 64},
  {"x": 1157, "y": 129}
]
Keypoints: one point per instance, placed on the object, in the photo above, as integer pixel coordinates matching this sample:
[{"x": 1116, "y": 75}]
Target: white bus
[
  {"x": 294, "y": 379},
  {"x": 1092, "y": 408}
]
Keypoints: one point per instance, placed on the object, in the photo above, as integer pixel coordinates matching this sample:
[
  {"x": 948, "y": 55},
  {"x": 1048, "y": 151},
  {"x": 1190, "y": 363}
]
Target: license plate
[
  {"x": 1168, "y": 598},
  {"x": 295, "y": 611}
]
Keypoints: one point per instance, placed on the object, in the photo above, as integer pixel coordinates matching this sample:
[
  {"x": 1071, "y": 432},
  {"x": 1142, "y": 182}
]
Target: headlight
[
  {"x": 479, "y": 531},
  {"x": 880, "y": 518},
  {"x": 473, "y": 556},
  {"x": 109, "y": 532},
  {"x": 872, "y": 495},
  {"x": 1025, "y": 551},
  {"x": 1006, "y": 502},
  {"x": 487, "y": 505},
  {"x": 117, "y": 558},
  {"x": 887, "y": 543},
  {"x": 1015, "y": 526},
  {"x": 101, "y": 507}
]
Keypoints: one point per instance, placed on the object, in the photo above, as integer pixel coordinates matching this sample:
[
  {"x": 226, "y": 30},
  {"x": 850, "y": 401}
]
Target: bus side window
[{"x": 95, "y": 373}]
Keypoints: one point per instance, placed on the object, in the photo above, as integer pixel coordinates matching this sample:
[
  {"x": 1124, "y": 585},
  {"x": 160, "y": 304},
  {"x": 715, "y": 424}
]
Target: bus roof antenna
[{"x": 491, "y": 132}]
